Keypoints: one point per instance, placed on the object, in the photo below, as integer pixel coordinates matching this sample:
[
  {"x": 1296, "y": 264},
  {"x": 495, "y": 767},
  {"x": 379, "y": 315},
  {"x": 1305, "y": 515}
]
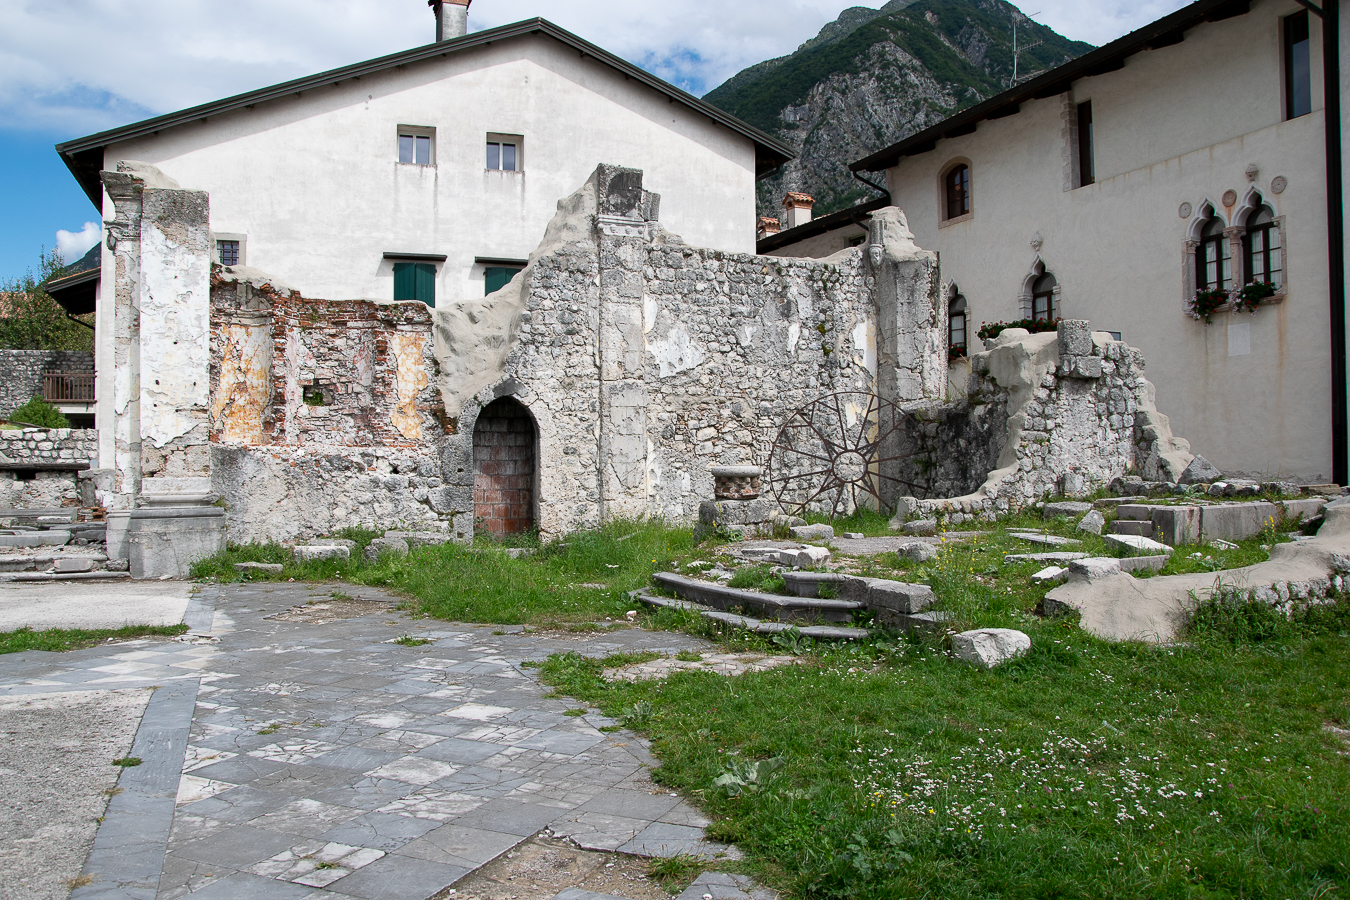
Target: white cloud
[
  {"x": 74, "y": 244},
  {"x": 121, "y": 60}
]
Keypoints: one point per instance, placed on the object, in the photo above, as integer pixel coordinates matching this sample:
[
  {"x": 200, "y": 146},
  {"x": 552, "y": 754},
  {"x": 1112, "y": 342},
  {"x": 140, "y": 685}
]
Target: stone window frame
[
  {"x": 946, "y": 169},
  {"x": 1235, "y": 228},
  {"x": 242, "y": 240},
  {"x": 1024, "y": 299},
  {"x": 954, "y": 296}
]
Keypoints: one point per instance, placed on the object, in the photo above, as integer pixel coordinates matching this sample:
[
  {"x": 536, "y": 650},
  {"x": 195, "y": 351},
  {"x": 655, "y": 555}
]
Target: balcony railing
[{"x": 68, "y": 387}]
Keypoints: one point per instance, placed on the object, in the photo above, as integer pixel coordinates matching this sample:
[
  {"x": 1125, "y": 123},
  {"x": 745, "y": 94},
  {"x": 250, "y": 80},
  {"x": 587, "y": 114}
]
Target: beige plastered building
[{"x": 1195, "y": 128}]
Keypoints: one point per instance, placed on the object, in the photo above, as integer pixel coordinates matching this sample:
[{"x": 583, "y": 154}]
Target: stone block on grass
[
  {"x": 1094, "y": 568},
  {"x": 319, "y": 553},
  {"x": 1236, "y": 521},
  {"x": 1050, "y": 575},
  {"x": 921, "y": 528},
  {"x": 805, "y": 558},
  {"x": 1092, "y": 523},
  {"x": 1138, "y": 545},
  {"x": 396, "y": 545},
  {"x": 990, "y": 647},
  {"x": 257, "y": 568},
  {"x": 812, "y": 533},
  {"x": 884, "y": 594},
  {"x": 918, "y": 551},
  {"x": 1176, "y": 525},
  {"x": 1066, "y": 508}
]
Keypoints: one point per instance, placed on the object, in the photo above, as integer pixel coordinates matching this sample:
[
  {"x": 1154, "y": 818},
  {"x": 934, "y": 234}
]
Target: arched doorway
[{"x": 503, "y": 469}]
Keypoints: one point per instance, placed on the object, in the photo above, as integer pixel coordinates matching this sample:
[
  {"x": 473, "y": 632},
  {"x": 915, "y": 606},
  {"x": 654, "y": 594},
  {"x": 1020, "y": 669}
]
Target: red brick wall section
[{"x": 503, "y": 469}]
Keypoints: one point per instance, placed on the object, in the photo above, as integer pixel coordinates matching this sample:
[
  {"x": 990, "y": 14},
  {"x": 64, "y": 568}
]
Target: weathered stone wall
[
  {"x": 1079, "y": 412},
  {"x": 322, "y": 412},
  {"x": 41, "y": 455},
  {"x": 21, "y": 373}
]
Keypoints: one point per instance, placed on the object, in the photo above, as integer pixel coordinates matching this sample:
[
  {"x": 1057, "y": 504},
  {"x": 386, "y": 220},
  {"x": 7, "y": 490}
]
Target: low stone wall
[
  {"x": 31, "y": 466},
  {"x": 21, "y": 373}
]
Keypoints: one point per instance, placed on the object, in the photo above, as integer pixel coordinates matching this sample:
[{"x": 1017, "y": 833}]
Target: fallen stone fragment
[
  {"x": 1143, "y": 563},
  {"x": 260, "y": 568},
  {"x": 1094, "y": 568},
  {"x": 1220, "y": 544},
  {"x": 1066, "y": 508},
  {"x": 76, "y": 564},
  {"x": 1092, "y": 523},
  {"x": 1200, "y": 471},
  {"x": 918, "y": 551},
  {"x": 882, "y": 594},
  {"x": 921, "y": 528},
  {"x": 334, "y": 542},
  {"x": 1138, "y": 544},
  {"x": 761, "y": 553},
  {"x": 812, "y": 532},
  {"x": 1065, "y": 556},
  {"x": 326, "y": 551},
  {"x": 396, "y": 545},
  {"x": 117, "y": 565},
  {"x": 990, "y": 647},
  {"x": 854, "y": 535},
  {"x": 806, "y": 557},
  {"x": 1047, "y": 540},
  {"x": 1050, "y": 575}
]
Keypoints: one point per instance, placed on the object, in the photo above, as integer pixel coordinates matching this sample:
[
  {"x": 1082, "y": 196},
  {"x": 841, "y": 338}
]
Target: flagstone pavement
[{"x": 295, "y": 757}]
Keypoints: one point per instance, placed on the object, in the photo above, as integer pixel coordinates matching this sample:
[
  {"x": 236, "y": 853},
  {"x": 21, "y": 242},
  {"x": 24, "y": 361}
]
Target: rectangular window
[
  {"x": 1087, "y": 168},
  {"x": 497, "y": 277},
  {"x": 503, "y": 153},
  {"x": 1297, "y": 66},
  {"x": 228, "y": 252},
  {"x": 1214, "y": 265},
  {"x": 415, "y": 281},
  {"x": 415, "y": 145},
  {"x": 1262, "y": 249}
]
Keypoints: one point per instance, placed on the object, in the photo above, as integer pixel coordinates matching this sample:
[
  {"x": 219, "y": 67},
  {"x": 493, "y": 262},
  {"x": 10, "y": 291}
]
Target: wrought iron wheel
[{"x": 842, "y": 452}]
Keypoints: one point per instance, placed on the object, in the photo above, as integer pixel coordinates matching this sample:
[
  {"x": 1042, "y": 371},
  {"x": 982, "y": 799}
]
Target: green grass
[
  {"x": 575, "y": 582},
  {"x": 408, "y": 640},
  {"x": 127, "y": 762},
  {"x": 1085, "y": 769},
  {"x": 62, "y": 639}
]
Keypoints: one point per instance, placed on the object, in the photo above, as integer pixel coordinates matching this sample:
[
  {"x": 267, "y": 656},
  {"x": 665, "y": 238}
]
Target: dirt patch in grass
[
  {"x": 544, "y": 866},
  {"x": 324, "y": 611}
]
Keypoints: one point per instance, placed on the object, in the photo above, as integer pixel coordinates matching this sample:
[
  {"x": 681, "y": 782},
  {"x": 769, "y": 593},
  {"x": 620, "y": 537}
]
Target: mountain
[{"x": 875, "y": 76}]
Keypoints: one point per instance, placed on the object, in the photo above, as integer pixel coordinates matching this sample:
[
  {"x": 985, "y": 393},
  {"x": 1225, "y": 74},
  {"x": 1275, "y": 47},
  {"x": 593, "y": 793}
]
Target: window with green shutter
[
  {"x": 415, "y": 281},
  {"x": 497, "y": 277}
]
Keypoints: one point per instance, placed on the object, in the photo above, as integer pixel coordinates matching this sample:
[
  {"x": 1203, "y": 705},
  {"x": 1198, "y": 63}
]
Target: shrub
[{"x": 39, "y": 413}]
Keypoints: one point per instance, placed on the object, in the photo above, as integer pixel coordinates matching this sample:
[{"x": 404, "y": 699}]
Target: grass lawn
[{"x": 60, "y": 639}]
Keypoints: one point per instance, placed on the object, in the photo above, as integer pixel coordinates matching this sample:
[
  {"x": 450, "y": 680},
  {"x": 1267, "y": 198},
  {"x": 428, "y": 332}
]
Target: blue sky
[{"x": 69, "y": 68}]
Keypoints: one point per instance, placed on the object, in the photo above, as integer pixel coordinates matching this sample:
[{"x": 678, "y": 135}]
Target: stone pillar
[
  {"x": 624, "y": 221},
  {"x": 161, "y": 380},
  {"x": 911, "y": 329}
]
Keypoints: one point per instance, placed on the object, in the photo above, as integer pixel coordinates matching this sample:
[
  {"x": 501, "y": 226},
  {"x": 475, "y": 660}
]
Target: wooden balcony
[{"x": 68, "y": 387}]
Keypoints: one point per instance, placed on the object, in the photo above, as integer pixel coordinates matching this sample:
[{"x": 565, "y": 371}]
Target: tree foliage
[
  {"x": 31, "y": 320},
  {"x": 39, "y": 413}
]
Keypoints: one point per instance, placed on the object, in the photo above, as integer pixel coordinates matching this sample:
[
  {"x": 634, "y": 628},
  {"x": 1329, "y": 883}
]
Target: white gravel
[{"x": 56, "y": 753}]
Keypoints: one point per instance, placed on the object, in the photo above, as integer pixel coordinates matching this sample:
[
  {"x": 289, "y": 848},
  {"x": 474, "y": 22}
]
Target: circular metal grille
[{"x": 839, "y": 453}]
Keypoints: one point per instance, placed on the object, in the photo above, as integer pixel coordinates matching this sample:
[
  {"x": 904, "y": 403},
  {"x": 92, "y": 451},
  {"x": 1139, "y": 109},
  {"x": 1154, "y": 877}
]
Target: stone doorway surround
[{"x": 504, "y": 440}]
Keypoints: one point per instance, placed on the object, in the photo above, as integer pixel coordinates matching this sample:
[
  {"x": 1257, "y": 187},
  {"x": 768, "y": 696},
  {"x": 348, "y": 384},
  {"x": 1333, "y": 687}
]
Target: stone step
[
  {"x": 807, "y": 584},
  {"x": 773, "y": 606},
  {"x": 818, "y": 632},
  {"x": 35, "y": 539},
  {"x": 1132, "y": 526},
  {"x": 15, "y": 562},
  {"x": 76, "y": 576},
  {"x": 1134, "y": 512}
]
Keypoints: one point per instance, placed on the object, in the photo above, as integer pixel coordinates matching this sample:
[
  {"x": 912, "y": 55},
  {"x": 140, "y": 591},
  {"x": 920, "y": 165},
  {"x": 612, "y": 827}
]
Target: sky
[{"x": 69, "y": 68}]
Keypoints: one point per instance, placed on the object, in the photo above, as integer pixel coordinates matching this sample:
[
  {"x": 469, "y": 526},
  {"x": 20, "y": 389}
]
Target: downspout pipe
[
  {"x": 872, "y": 184},
  {"x": 1331, "y": 80}
]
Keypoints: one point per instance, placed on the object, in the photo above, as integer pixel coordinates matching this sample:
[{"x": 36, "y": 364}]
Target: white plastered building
[{"x": 1108, "y": 174}]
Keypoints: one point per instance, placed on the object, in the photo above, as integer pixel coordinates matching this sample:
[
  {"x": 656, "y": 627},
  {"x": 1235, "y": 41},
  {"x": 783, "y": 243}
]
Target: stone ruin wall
[
  {"x": 323, "y": 413},
  {"x": 1061, "y": 412},
  {"x": 21, "y": 373},
  {"x": 643, "y": 363}
]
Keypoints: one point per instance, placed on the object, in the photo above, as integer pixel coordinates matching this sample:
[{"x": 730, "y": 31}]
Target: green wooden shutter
[
  {"x": 405, "y": 281},
  {"x": 426, "y": 284},
  {"x": 497, "y": 277}
]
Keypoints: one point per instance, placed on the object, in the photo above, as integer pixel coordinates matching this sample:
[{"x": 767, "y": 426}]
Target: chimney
[
  {"x": 452, "y": 18},
  {"x": 798, "y": 208},
  {"x": 766, "y": 227}
]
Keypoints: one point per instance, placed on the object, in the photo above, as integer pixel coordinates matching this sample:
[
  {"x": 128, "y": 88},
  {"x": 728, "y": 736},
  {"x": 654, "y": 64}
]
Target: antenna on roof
[{"x": 1019, "y": 17}]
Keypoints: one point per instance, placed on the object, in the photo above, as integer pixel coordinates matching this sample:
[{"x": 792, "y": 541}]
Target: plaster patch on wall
[
  {"x": 675, "y": 350},
  {"x": 649, "y": 310},
  {"x": 794, "y": 335},
  {"x": 412, "y": 378},
  {"x": 1240, "y": 339},
  {"x": 245, "y": 384},
  {"x": 865, "y": 346}
]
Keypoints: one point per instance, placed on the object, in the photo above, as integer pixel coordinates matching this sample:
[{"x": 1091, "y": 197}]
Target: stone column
[
  {"x": 161, "y": 333},
  {"x": 624, "y": 224}
]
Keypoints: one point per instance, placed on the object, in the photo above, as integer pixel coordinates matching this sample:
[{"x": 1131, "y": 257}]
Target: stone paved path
[{"x": 308, "y": 756}]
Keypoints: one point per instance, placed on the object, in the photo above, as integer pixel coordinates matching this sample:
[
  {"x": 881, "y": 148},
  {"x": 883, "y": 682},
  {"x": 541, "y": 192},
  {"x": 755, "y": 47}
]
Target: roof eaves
[
  {"x": 70, "y": 150},
  {"x": 1109, "y": 58},
  {"x": 823, "y": 225}
]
